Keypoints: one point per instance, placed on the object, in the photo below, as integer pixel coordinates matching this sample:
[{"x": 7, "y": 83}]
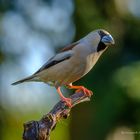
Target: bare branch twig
[{"x": 40, "y": 130}]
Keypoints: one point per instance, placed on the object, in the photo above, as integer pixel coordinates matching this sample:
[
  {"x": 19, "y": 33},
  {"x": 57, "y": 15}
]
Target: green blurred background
[{"x": 31, "y": 31}]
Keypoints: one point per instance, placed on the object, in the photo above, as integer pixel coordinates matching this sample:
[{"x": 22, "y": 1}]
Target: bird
[{"x": 72, "y": 63}]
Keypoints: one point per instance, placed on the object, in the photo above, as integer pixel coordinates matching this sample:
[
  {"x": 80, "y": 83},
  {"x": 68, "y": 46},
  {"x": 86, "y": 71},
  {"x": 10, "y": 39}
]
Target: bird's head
[
  {"x": 100, "y": 40},
  {"x": 105, "y": 40}
]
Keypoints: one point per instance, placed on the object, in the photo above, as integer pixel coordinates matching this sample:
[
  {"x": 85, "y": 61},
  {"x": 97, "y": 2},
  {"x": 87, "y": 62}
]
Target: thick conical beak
[{"x": 108, "y": 40}]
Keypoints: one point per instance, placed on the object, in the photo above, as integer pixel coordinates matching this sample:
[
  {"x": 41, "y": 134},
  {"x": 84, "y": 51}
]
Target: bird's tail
[{"x": 27, "y": 79}]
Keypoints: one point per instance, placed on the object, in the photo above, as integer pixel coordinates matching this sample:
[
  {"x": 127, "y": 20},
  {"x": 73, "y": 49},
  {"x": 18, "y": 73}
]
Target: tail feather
[{"x": 30, "y": 78}]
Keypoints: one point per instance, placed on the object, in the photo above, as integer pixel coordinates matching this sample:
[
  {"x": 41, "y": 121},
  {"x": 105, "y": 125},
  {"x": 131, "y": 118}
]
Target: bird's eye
[{"x": 102, "y": 34}]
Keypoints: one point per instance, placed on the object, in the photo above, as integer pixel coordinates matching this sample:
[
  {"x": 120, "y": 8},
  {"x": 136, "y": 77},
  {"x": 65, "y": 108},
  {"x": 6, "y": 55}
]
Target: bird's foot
[
  {"x": 68, "y": 101},
  {"x": 81, "y": 88},
  {"x": 86, "y": 91}
]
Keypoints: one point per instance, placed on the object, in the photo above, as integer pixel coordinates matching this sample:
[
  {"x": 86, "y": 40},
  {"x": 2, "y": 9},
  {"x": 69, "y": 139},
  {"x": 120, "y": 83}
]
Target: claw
[
  {"x": 68, "y": 101},
  {"x": 81, "y": 88},
  {"x": 85, "y": 90}
]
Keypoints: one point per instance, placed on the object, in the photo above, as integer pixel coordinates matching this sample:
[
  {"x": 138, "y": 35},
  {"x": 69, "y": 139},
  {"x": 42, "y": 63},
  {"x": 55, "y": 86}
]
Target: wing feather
[
  {"x": 60, "y": 57},
  {"x": 64, "y": 54},
  {"x": 69, "y": 47}
]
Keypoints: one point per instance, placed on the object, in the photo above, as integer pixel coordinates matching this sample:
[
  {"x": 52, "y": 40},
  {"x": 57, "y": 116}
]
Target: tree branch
[{"x": 40, "y": 130}]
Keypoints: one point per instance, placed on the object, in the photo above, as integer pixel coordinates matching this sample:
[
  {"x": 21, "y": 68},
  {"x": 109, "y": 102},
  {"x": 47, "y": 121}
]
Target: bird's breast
[{"x": 91, "y": 60}]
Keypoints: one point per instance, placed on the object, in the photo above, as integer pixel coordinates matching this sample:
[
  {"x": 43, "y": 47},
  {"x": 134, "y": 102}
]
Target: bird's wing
[
  {"x": 69, "y": 47},
  {"x": 60, "y": 57},
  {"x": 64, "y": 54}
]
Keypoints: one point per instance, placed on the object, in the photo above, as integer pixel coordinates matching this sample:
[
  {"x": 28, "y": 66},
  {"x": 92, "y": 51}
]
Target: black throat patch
[{"x": 101, "y": 46}]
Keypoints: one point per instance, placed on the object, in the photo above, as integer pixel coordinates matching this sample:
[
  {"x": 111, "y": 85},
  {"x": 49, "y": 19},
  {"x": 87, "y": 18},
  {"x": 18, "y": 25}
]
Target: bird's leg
[
  {"x": 66, "y": 100},
  {"x": 79, "y": 88}
]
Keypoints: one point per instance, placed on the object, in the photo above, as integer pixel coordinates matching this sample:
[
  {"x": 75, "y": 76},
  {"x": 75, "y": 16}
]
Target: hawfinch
[{"x": 72, "y": 63}]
